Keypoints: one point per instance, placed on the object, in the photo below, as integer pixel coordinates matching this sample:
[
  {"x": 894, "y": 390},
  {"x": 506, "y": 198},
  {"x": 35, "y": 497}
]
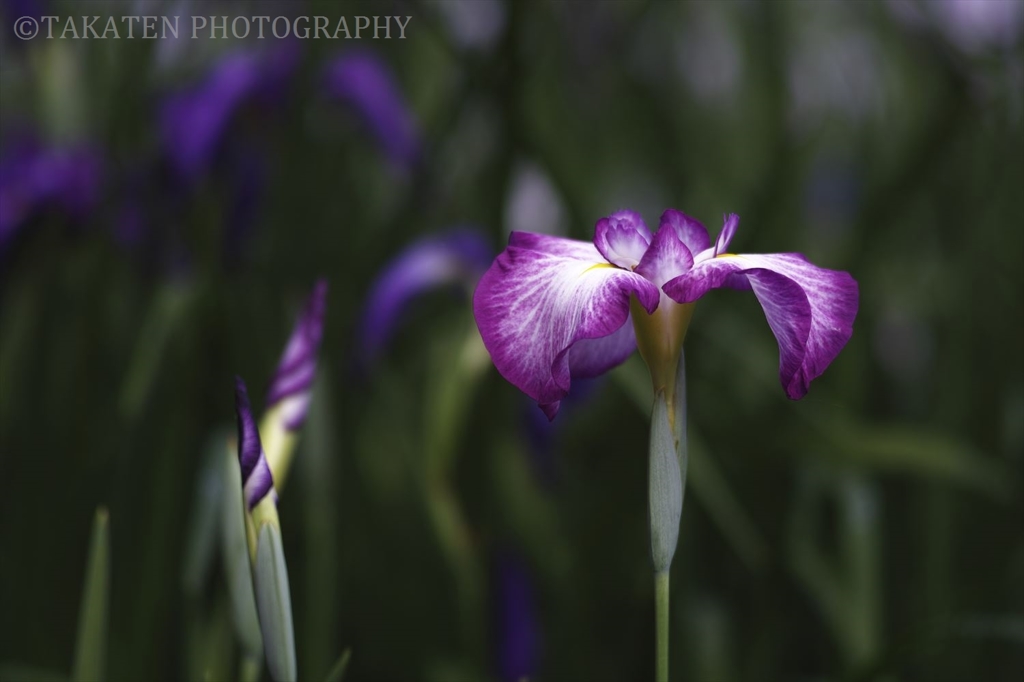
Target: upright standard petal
[
  {"x": 257, "y": 482},
  {"x": 541, "y": 297},
  {"x": 732, "y": 221},
  {"x": 690, "y": 231},
  {"x": 810, "y": 309},
  {"x": 455, "y": 257},
  {"x": 293, "y": 380},
  {"x": 622, "y": 238}
]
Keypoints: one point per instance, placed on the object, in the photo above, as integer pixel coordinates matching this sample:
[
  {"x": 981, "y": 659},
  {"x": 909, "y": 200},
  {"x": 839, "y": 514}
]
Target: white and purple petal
[
  {"x": 667, "y": 258},
  {"x": 689, "y": 230},
  {"x": 809, "y": 309},
  {"x": 732, "y": 221},
  {"x": 544, "y": 295},
  {"x": 622, "y": 238},
  {"x": 290, "y": 387},
  {"x": 452, "y": 258},
  {"x": 257, "y": 481}
]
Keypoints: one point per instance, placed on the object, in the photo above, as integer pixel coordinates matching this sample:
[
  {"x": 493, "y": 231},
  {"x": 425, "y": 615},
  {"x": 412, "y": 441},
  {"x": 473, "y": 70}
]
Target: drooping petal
[
  {"x": 622, "y": 238},
  {"x": 455, "y": 257},
  {"x": 810, "y": 309},
  {"x": 541, "y": 297},
  {"x": 365, "y": 81},
  {"x": 666, "y": 259},
  {"x": 293, "y": 379},
  {"x": 257, "y": 481},
  {"x": 689, "y": 230}
]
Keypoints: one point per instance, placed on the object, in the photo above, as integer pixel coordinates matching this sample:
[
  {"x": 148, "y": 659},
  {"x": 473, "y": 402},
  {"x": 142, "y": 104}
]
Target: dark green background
[{"x": 872, "y": 530}]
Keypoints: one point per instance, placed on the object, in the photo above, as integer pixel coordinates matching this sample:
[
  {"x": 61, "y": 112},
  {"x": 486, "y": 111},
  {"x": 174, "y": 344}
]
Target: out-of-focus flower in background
[
  {"x": 35, "y": 179},
  {"x": 708, "y": 56},
  {"x": 834, "y": 71},
  {"x": 454, "y": 258},
  {"x": 473, "y": 24},
  {"x": 517, "y": 623},
  {"x": 363, "y": 81},
  {"x": 974, "y": 26},
  {"x": 194, "y": 122},
  {"x": 533, "y": 203}
]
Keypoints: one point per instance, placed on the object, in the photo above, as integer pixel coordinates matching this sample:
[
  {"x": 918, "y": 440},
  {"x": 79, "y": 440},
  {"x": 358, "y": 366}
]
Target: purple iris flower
[
  {"x": 451, "y": 258},
  {"x": 366, "y": 83},
  {"x": 194, "y": 122},
  {"x": 257, "y": 481},
  {"x": 35, "y": 178},
  {"x": 552, "y": 309}
]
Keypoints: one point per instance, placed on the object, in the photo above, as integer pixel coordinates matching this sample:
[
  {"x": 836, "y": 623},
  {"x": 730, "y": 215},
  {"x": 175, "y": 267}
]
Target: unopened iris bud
[
  {"x": 289, "y": 394},
  {"x": 266, "y": 551}
]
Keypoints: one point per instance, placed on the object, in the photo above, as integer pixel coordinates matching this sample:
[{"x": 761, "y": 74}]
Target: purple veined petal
[
  {"x": 290, "y": 387},
  {"x": 666, "y": 259},
  {"x": 366, "y": 83},
  {"x": 257, "y": 480},
  {"x": 622, "y": 238},
  {"x": 459, "y": 256},
  {"x": 193, "y": 122},
  {"x": 732, "y": 221},
  {"x": 690, "y": 231},
  {"x": 809, "y": 309},
  {"x": 543, "y": 295}
]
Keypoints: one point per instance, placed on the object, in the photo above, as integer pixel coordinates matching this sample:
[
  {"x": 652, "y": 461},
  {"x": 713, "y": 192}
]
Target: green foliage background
[{"x": 870, "y": 531}]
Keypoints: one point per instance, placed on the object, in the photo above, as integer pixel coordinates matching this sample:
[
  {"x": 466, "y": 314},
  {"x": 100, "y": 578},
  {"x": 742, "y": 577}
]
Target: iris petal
[
  {"x": 622, "y": 238},
  {"x": 690, "y": 231},
  {"x": 541, "y": 297},
  {"x": 810, "y": 309},
  {"x": 257, "y": 481},
  {"x": 666, "y": 259}
]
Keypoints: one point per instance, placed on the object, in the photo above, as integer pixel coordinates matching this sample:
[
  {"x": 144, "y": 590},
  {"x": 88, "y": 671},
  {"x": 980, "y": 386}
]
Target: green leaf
[
  {"x": 91, "y": 649},
  {"x": 19, "y": 672},
  {"x": 274, "y": 603},
  {"x": 906, "y": 449},
  {"x": 337, "y": 673},
  {"x": 237, "y": 565}
]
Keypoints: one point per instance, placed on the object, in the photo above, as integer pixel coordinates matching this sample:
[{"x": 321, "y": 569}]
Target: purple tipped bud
[
  {"x": 295, "y": 372},
  {"x": 257, "y": 480}
]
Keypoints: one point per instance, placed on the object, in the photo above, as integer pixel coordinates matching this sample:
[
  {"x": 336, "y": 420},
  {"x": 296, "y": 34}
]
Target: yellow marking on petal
[
  {"x": 595, "y": 266},
  {"x": 727, "y": 255}
]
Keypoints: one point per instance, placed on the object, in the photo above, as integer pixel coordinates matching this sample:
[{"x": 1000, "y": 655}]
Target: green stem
[{"x": 661, "y": 625}]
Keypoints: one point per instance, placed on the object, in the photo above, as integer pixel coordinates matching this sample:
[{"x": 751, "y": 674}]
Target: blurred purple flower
[
  {"x": 972, "y": 25},
  {"x": 518, "y": 635},
  {"x": 195, "y": 121},
  {"x": 292, "y": 384},
  {"x": 366, "y": 83},
  {"x": 456, "y": 257},
  {"x": 13, "y": 9},
  {"x": 34, "y": 179}
]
